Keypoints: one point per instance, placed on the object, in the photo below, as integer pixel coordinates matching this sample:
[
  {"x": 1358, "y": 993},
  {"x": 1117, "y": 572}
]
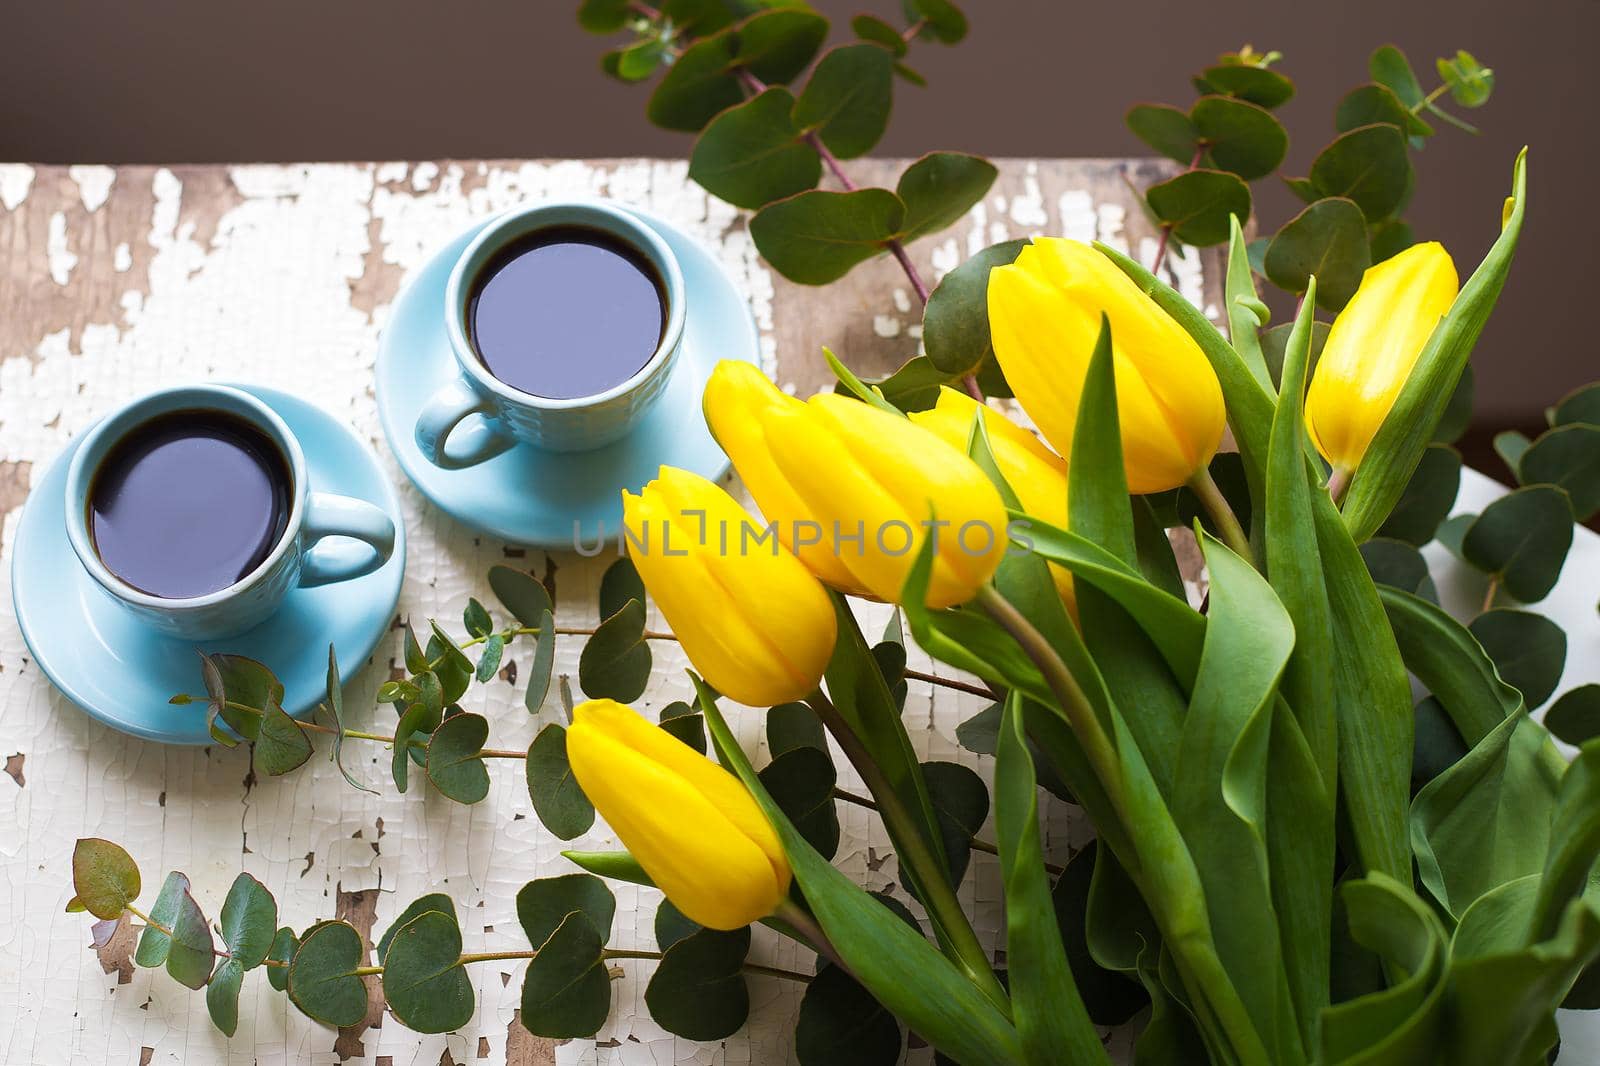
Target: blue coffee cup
[
  {"x": 297, "y": 559},
  {"x": 476, "y": 416}
]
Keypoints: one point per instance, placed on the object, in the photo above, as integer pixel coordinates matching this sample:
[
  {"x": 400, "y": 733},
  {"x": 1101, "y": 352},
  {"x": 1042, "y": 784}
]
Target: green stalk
[{"x": 1222, "y": 516}]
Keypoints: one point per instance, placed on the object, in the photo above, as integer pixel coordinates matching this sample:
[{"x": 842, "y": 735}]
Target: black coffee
[
  {"x": 566, "y": 311},
  {"x": 188, "y": 503}
]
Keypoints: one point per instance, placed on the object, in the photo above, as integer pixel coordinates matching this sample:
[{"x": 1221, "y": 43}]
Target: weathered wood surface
[{"x": 115, "y": 281}]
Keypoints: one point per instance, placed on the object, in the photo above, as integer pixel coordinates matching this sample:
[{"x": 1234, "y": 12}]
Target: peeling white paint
[
  {"x": 121, "y": 258},
  {"x": 61, "y": 258},
  {"x": 94, "y": 184},
  {"x": 423, "y": 176},
  {"x": 1027, "y": 208},
  {"x": 902, "y": 300},
  {"x": 15, "y": 181},
  {"x": 1078, "y": 219},
  {"x": 886, "y": 325}
]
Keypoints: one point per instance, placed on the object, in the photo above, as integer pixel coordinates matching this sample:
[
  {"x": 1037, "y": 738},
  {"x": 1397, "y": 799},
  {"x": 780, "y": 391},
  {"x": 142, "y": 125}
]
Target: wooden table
[{"x": 116, "y": 281}]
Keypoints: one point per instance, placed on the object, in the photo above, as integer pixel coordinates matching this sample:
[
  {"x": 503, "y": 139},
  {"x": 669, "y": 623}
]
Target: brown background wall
[{"x": 185, "y": 81}]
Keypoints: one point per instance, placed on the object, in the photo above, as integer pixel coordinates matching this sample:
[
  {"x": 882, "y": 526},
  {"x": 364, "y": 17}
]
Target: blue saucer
[
  {"x": 545, "y": 499},
  {"x": 122, "y": 672}
]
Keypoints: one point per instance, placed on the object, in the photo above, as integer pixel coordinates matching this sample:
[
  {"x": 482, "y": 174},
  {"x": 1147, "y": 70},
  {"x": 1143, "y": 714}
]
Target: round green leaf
[
  {"x": 1568, "y": 457},
  {"x": 281, "y": 745},
  {"x": 1510, "y": 446},
  {"x": 191, "y": 953},
  {"x": 1389, "y": 67},
  {"x": 615, "y": 662},
  {"x": 794, "y": 725},
  {"x": 672, "y": 925},
  {"x": 544, "y": 904},
  {"x": 423, "y": 981},
  {"x": 153, "y": 942},
  {"x": 567, "y": 993},
  {"x": 874, "y": 29},
  {"x": 961, "y": 803},
  {"x": 489, "y": 662},
  {"x": 619, "y": 584},
  {"x": 284, "y": 945},
  {"x": 955, "y": 325},
  {"x": 777, "y": 45},
  {"x": 451, "y": 664},
  {"x": 1389, "y": 239},
  {"x": 1241, "y": 138},
  {"x": 1452, "y": 531},
  {"x": 1303, "y": 189},
  {"x": 222, "y": 996},
  {"x": 476, "y": 619},
  {"x": 455, "y": 760},
  {"x": 698, "y": 991},
  {"x": 1522, "y": 538},
  {"x": 685, "y": 723},
  {"x": 1259, "y": 85},
  {"x": 1373, "y": 103},
  {"x": 1575, "y": 717},
  {"x": 752, "y": 154},
  {"x": 1528, "y": 650},
  {"x": 1457, "y": 416},
  {"x": 1198, "y": 203},
  {"x": 1400, "y": 564},
  {"x": 322, "y": 980},
  {"x": 243, "y": 681},
  {"x": 1166, "y": 129},
  {"x": 840, "y": 1024},
  {"x": 1470, "y": 81},
  {"x": 520, "y": 593},
  {"x": 1328, "y": 240},
  {"x": 1579, "y": 405},
  {"x": 433, "y": 901},
  {"x": 105, "y": 878},
  {"x": 249, "y": 915},
  {"x": 699, "y": 85},
  {"x": 945, "y": 22},
  {"x": 801, "y": 782},
  {"x": 939, "y": 188},
  {"x": 544, "y": 660},
  {"x": 604, "y": 16},
  {"x": 1368, "y": 165},
  {"x": 816, "y": 237},
  {"x": 557, "y": 799},
  {"x": 1428, "y": 497},
  {"x": 637, "y": 61},
  {"x": 848, "y": 98}
]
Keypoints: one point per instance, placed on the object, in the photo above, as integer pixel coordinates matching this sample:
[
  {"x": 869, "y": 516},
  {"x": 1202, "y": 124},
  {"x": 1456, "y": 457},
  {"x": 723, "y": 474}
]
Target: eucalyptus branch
[
  {"x": 1166, "y": 227},
  {"x": 349, "y": 734},
  {"x": 975, "y": 843}
]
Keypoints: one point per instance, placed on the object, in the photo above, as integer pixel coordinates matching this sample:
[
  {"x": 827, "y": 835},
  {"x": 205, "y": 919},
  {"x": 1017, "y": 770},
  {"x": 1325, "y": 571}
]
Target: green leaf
[
  {"x": 420, "y": 717},
  {"x": 1246, "y": 313},
  {"x": 1303, "y": 189},
  {"x": 698, "y": 991},
  {"x": 557, "y": 799},
  {"x": 685, "y": 723},
  {"x": 801, "y": 782},
  {"x": 1510, "y": 446},
  {"x": 544, "y": 660},
  {"x": 1328, "y": 240},
  {"x": 284, "y": 945},
  {"x": 191, "y": 953},
  {"x": 604, "y": 16},
  {"x": 1389, "y": 239},
  {"x": 1528, "y": 650},
  {"x": 1428, "y": 497},
  {"x": 617, "y": 865},
  {"x": 1399, "y": 565},
  {"x": 1457, "y": 416},
  {"x": 242, "y": 681},
  {"x": 489, "y": 662},
  {"x": 476, "y": 619},
  {"x": 1575, "y": 841},
  {"x": 450, "y": 663},
  {"x": 791, "y": 726},
  {"x": 423, "y": 980},
  {"x": 249, "y": 915},
  {"x": 945, "y": 22},
  {"x": 567, "y": 993},
  {"x": 615, "y": 662},
  {"x": 433, "y": 901},
  {"x": 816, "y": 237},
  {"x": 1397, "y": 447},
  {"x": 1110, "y": 997},
  {"x": 322, "y": 980},
  {"x": 1167, "y": 129},
  {"x": 638, "y": 61},
  {"x": 1368, "y": 104},
  {"x": 752, "y": 153},
  {"x": 847, "y": 100},
  {"x": 671, "y": 925},
  {"x": 1368, "y": 165},
  {"x": 1197, "y": 204},
  {"x": 1052, "y": 1021},
  {"x": 416, "y": 662},
  {"x": 1579, "y": 405},
  {"x": 777, "y": 45},
  {"x": 1241, "y": 138},
  {"x": 105, "y": 878},
  {"x": 1575, "y": 717},
  {"x": 898, "y": 966},
  {"x": 1470, "y": 82},
  {"x": 520, "y": 593},
  {"x": 1569, "y": 458},
  {"x": 939, "y": 188},
  {"x": 154, "y": 943},
  {"x": 874, "y": 29},
  {"x": 955, "y": 325},
  {"x": 961, "y": 802},
  {"x": 543, "y": 904},
  {"x": 281, "y": 745},
  {"x": 699, "y": 84},
  {"x": 1390, "y": 68},
  {"x": 222, "y": 996},
  {"x": 334, "y": 704},
  {"x": 1275, "y": 339},
  {"x": 840, "y": 1024},
  {"x": 619, "y": 584},
  {"x": 455, "y": 759},
  {"x": 1259, "y": 85},
  {"x": 1522, "y": 539}
]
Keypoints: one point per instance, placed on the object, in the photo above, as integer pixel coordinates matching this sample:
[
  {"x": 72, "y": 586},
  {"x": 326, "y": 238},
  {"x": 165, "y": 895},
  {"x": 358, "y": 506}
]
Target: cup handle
[
  {"x": 447, "y": 409},
  {"x": 328, "y": 515}
]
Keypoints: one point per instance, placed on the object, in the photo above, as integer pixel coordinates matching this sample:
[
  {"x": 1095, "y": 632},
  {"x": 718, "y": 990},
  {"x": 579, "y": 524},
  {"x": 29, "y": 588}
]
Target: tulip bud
[
  {"x": 749, "y": 615},
  {"x": 736, "y": 400},
  {"x": 1044, "y": 317},
  {"x": 878, "y": 485},
  {"x": 1035, "y": 473},
  {"x": 1372, "y": 346},
  {"x": 693, "y": 827}
]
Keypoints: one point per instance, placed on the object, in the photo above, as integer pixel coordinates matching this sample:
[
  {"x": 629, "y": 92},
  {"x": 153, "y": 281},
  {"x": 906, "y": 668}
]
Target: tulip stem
[
  {"x": 919, "y": 864},
  {"x": 975, "y": 843},
  {"x": 1222, "y": 516},
  {"x": 810, "y": 932},
  {"x": 1338, "y": 483}
]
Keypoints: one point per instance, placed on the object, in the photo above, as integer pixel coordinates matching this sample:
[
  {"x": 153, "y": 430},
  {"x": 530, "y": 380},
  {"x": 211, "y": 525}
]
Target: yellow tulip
[
  {"x": 691, "y": 824},
  {"x": 878, "y": 485},
  {"x": 1035, "y": 473},
  {"x": 1044, "y": 316},
  {"x": 736, "y": 400},
  {"x": 751, "y": 618},
  {"x": 1372, "y": 346}
]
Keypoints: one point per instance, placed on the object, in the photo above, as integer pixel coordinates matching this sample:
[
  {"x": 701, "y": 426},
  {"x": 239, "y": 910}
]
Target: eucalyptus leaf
[
  {"x": 1367, "y": 165},
  {"x": 489, "y": 662},
  {"x": 520, "y": 593},
  {"x": 566, "y": 993},
  {"x": 1373, "y": 103},
  {"x": 699, "y": 84},
  {"x": 685, "y": 723},
  {"x": 874, "y": 29},
  {"x": 280, "y": 745},
  {"x": 557, "y": 799},
  {"x": 1327, "y": 240},
  {"x": 955, "y": 324},
  {"x": 241, "y": 681},
  {"x": 423, "y": 980},
  {"x": 1400, "y": 565},
  {"x": 841, "y": 1024},
  {"x": 433, "y": 901},
  {"x": 1568, "y": 457},
  {"x": 1575, "y": 717},
  {"x": 778, "y": 44},
  {"x": 753, "y": 154},
  {"x": 816, "y": 237},
  {"x": 794, "y": 725},
  {"x": 1197, "y": 204},
  {"x": 1428, "y": 497},
  {"x": 801, "y": 782},
  {"x": 1528, "y": 650},
  {"x": 615, "y": 661},
  {"x": 943, "y": 21},
  {"x": 543, "y": 904},
  {"x": 1510, "y": 446},
  {"x": 191, "y": 953},
  {"x": 105, "y": 878},
  {"x": 1522, "y": 540},
  {"x": 156, "y": 940},
  {"x": 1390, "y": 68},
  {"x": 961, "y": 801},
  {"x": 1167, "y": 129},
  {"x": 619, "y": 584},
  {"x": 222, "y": 996},
  {"x": 544, "y": 658},
  {"x": 848, "y": 98},
  {"x": 1580, "y": 405},
  {"x": 1259, "y": 85},
  {"x": 475, "y": 618},
  {"x": 1241, "y": 137},
  {"x": 284, "y": 945},
  {"x": 699, "y": 991},
  {"x": 604, "y": 16},
  {"x": 672, "y": 925},
  {"x": 939, "y": 188},
  {"x": 249, "y": 917},
  {"x": 1470, "y": 81},
  {"x": 455, "y": 758},
  {"x": 334, "y": 704}
]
